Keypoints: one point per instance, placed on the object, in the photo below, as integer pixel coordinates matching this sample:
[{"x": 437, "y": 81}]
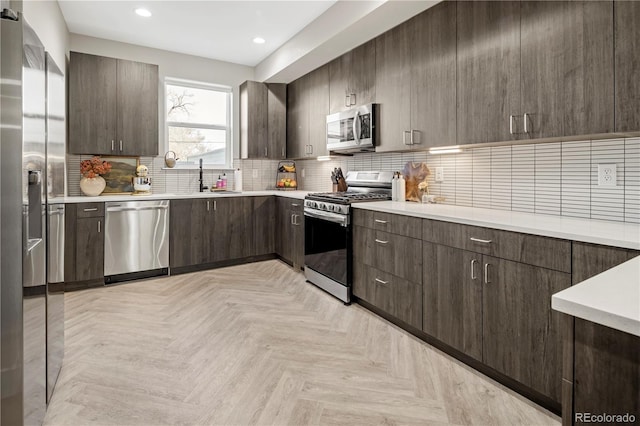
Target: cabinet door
[
  {"x": 452, "y": 291},
  {"x": 298, "y": 233},
  {"x": 231, "y": 232},
  {"x": 137, "y": 99},
  {"x": 188, "y": 233},
  {"x": 567, "y": 68},
  {"x": 589, "y": 260},
  {"x": 89, "y": 248},
  {"x": 297, "y": 118},
  {"x": 277, "y": 120},
  {"x": 318, "y": 95},
  {"x": 264, "y": 221},
  {"x": 92, "y": 104},
  {"x": 488, "y": 64},
  {"x": 253, "y": 120},
  {"x": 338, "y": 83},
  {"x": 393, "y": 88},
  {"x": 627, "y": 65},
  {"x": 433, "y": 77},
  {"x": 284, "y": 232},
  {"x": 362, "y": 74},
  {"x": 521, "y": 333}
]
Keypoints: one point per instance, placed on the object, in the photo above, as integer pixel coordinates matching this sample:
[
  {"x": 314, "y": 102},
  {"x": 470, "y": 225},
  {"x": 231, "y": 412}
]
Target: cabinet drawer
[
  {"x": 393, "y": 223},
  {"x": 395, "y": 296},
  {"x": 90, "y": 210},
  {"x": 551, "y": 253},
  {"x": 395, "y": 254}
]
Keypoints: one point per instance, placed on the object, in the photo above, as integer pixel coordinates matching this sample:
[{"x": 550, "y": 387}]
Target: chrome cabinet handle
[
  {"x": 478, "y": 240},
  {"x": 208, "y": 205},
  {"x": 412, "y": 133},
  {"x": 283, "y": 152},
  {"x": 99, "y": 226},
  {"x": 525, "y": 117},
  {"x": 295, "y": 205},
  {"x": 310, "y": 149},
  {"x": 404, "y": 137},
  {"x": 93, "y": 209},
  {"x": 353, "y": 99},
  {"x": 473, "y": 269},
  {"x": 381, "y": 242},
  {"x": 347, "y": 100},
  {"x": 265, "y": 151},
  {"x": 293, "y": 219},
  {"x": 511, "y": 117},
  {"x": 486, "y": 273},
  {"x": 113, "y": 145},
  {"x": 378, "y": 280},
  {"x": 120, "y": 146},
  {"x": 215, "y": 205},
  {"x": 384, "y": 222}
]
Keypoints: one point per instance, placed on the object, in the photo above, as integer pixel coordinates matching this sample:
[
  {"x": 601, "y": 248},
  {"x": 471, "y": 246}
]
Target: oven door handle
[
  {"x": 356, "y": 128},
  {"x": 342, "y": 220}
]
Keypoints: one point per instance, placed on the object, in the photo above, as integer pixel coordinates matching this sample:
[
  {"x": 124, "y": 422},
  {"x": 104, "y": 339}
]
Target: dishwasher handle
[{"x": 118, "y": 208}]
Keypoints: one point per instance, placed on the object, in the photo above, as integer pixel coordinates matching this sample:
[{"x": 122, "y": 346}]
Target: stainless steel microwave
[{"x": 353, "y": 130}]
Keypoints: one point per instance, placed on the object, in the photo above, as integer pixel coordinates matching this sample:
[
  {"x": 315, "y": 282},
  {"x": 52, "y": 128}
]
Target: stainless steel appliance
[
  {"x": 136, "y": 240},
  {"x": 24, "y": 224},
  {"x": 328, "y": 239},
  {"x": 56, "y": 137},
  {"x": 353, "y": 130}
]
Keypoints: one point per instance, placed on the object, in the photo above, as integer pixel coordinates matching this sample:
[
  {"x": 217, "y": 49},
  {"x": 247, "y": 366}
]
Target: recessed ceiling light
[
  {"x": 258, "y": 40},
  {"x": 143, "y": 12}
]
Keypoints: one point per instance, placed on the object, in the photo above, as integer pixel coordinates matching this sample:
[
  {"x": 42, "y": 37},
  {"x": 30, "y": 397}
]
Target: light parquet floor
[{"x": 255, "y": 344}]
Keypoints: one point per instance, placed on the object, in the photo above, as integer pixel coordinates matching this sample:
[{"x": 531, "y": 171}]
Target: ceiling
[{"x": 221, "y": 30}]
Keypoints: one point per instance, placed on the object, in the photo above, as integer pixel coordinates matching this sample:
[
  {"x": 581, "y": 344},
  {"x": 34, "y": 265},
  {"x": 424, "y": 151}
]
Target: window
[{"x": 199, "y": 123}]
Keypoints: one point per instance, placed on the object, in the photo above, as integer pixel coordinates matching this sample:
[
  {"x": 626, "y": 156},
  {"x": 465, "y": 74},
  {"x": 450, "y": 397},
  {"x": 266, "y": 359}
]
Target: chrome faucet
[{"x": 202, "y": 187}]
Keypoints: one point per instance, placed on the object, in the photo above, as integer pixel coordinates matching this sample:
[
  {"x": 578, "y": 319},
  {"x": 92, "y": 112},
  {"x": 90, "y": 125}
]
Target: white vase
[{"x": 92, "y": 187}]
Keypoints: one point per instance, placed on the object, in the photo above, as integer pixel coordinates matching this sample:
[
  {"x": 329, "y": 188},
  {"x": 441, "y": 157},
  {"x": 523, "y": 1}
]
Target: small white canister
[{"x": 237, "y": 180}]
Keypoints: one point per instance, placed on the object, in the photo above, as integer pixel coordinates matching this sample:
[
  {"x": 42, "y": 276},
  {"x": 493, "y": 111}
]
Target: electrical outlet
[
  {"x": 302, "y": 173},
  {"x": 439, "y": 174},
  {"x": 607, "y": 175},
  {"x": 254, "y": 173}
]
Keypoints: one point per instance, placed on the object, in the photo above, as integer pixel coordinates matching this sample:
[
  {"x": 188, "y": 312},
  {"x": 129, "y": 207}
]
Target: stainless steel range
[{"x": 328, "y": 245}]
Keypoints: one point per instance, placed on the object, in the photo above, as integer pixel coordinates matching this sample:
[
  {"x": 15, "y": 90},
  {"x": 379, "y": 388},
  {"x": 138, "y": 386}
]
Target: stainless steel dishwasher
[{"x": 136, "y": 240}]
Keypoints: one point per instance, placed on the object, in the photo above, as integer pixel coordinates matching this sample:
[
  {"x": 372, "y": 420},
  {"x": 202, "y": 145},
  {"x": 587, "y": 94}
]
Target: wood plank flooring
[{"x": 255, "y": 344}]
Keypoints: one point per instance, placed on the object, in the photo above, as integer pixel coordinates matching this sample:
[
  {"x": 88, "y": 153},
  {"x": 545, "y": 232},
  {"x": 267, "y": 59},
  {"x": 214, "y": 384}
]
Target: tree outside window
[{"x": 199, "y": 122}]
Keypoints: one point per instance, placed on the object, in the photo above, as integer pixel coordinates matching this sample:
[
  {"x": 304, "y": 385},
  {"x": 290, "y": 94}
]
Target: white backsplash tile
[{"x": 553, "y": 178}]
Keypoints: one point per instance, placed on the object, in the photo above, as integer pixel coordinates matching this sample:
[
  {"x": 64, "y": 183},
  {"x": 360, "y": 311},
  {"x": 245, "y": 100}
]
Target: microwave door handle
[{"x": 356, "y": 128}]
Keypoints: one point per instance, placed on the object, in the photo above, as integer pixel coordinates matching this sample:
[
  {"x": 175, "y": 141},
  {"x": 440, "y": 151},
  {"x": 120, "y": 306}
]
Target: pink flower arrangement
[{"x": 94, "y": 167}]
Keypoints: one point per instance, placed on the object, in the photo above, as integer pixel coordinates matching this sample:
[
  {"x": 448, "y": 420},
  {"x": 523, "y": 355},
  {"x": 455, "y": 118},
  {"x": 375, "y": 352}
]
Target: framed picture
[{"x": 119, "y": 179}]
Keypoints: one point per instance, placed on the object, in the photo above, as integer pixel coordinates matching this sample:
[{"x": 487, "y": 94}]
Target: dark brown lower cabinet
[
  {"x": 289, "y": 231},
  {"x": 393, "y": 295},
  {"x": 188, "y": 230},
  {"x": 521, "y": 333},
  {"x": 264, "y": 223},
  {"x": 89, "y": 248},
  {"x": 230, "y": 229},
  {"x": 453, "y": 297}
]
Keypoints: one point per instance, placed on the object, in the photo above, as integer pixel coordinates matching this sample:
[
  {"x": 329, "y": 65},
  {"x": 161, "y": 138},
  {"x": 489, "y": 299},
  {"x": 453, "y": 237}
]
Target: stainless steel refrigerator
[{"x": 26, "y": 180}]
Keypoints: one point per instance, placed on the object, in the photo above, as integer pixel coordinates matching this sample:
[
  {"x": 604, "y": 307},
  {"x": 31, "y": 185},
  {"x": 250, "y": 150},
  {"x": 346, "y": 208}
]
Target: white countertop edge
[
  {"x": 167, "y": 196},
  {"x": 616, "y": 234},
  {"x": 611, "y": 298}
]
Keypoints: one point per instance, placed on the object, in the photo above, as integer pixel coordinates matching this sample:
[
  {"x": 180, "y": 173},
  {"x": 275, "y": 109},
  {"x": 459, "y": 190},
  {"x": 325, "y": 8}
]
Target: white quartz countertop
[
  {"x": 617, "y": 234},
  {"x": 611, "y": 298},
  {"x": 208, "y": 194}
]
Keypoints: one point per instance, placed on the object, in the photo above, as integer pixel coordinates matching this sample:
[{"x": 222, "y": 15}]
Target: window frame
[{"x": 228, "y": 90}]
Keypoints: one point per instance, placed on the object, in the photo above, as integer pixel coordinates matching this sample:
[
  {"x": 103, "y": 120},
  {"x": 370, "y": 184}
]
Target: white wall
[
  {"x": 175, "y": 65},
  {"x": 46, "y": 19}
]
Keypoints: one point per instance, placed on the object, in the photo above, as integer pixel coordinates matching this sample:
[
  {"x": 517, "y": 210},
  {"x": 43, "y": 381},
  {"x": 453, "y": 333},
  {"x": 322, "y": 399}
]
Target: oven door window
[{"x": 327, "y": 249}]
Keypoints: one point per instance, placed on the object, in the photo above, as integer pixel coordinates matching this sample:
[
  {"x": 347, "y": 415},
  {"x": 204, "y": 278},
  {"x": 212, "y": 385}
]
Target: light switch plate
[
  {"x": 607, "y": 175},
  {"x": 439, "y": 174}
]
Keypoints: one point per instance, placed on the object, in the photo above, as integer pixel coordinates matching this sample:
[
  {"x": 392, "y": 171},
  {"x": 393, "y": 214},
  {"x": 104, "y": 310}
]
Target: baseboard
[{"x": 213, "y": 265}]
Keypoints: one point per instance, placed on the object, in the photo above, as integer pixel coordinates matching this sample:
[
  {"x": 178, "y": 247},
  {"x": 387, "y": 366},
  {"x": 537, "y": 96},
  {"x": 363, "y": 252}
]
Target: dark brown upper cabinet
[
  {"x": 263, "y": 118},
  {"x": 307, "y": 109},
  {"x": 627, "y": 65},
  {"x": 113, "y": 106},
  {"x": 416, "y": 81},
  {"x": 534, "y": 69},
  {"x": 352, "y": 78},
  {"x": 488, "y": 76}
]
